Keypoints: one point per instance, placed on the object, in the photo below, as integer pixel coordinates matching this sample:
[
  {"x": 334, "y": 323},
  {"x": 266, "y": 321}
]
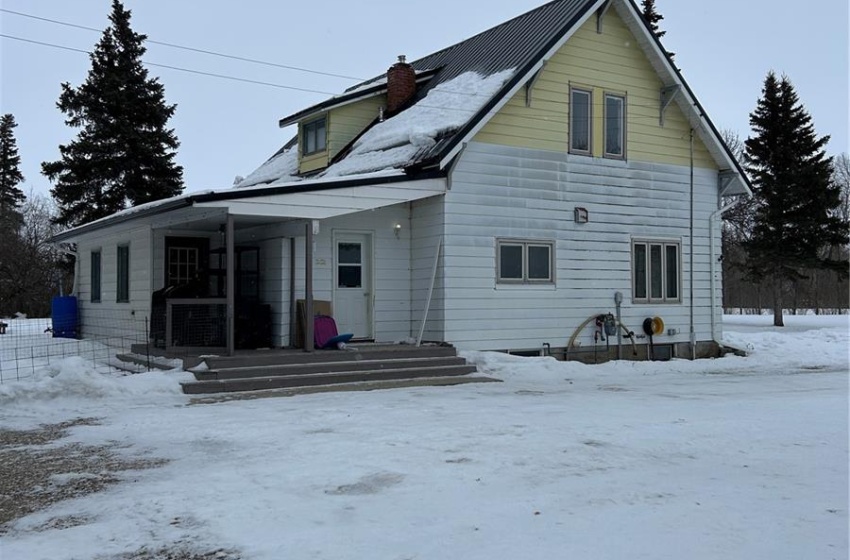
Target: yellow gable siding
[
  {"x": 350, "y": 120},
  {"x": 608, "y": 62},
  {"x": 343, "y": 125}
]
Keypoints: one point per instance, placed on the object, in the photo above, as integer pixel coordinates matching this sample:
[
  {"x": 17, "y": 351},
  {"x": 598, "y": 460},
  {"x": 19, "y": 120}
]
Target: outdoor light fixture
[{"x": 397, "y": 229}]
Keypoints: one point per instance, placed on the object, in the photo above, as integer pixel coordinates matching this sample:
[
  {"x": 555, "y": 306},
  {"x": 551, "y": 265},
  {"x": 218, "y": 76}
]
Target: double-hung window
[
  {"x": 615, "y": 126},
  {"x": 525, "y": 262},
  {"x": 122, "y": 294},
  {"x": 314, "y": 136},
  {"x": 656, "y": 271},
  {"x": 581, "y": 116},
  {"x": 95, "y": 276}
]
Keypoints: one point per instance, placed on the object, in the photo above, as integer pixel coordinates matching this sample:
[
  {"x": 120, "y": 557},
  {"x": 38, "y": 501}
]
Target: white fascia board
[
  {"x": 289, "y": 122},
  {"x": 519, "y": 85},
  {"x": 319, "y": 205}
]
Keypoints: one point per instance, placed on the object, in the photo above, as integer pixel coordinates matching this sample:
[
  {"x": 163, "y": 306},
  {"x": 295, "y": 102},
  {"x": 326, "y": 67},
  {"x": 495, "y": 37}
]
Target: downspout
[
  {"x": 691, "y": 259},
  {"x": 73, "y": 254},
  {"x": 713, "y": 266}
]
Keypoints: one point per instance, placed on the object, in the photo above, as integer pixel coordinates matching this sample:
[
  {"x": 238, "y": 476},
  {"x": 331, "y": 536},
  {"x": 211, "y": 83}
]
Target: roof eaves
[
  {"x": 238, "y": 194},
  {"x": 313, "y": 186},
  {"x": 702, "y": 114},
  {"x": 332, "y": 103},
  {"x": 122, "y": 218}
]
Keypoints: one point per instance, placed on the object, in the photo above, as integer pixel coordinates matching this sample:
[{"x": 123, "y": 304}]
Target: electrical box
[{"x": 581, "y": 215}]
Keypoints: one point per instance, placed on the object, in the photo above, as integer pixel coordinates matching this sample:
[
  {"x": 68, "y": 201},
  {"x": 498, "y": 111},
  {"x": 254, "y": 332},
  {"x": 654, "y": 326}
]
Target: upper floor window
[
  {"x": 656, "y": 271},
  {"x": 314, "y": 136},
  {"x": 615, "y": 126},
  {"x": 95, "y": 276},
  {"x": 581, "y": 112},
  {"x": 522, "y": 261},
  {"x": 123, "y": 269}
]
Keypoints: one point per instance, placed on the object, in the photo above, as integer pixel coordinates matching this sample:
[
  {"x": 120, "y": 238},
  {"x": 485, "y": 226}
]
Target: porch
[{"x": 232, "y": 274}]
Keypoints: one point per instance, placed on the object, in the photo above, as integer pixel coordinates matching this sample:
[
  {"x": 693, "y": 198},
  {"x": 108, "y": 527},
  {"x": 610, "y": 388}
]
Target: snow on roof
[
  {"x": 281, "y": 165},
  {"x": 398, "y": 140}
]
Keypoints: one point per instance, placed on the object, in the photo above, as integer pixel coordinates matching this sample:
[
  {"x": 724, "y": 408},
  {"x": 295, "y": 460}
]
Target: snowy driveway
[{"x": 734, "y": 458}]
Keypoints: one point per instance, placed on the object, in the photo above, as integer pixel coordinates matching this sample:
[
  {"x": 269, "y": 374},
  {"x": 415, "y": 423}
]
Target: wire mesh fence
[{"x": 29, "y": 345}]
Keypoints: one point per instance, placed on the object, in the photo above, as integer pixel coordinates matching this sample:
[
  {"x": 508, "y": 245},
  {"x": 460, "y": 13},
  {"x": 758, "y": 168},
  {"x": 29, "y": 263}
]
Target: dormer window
[{"x": 314, "y": 136}]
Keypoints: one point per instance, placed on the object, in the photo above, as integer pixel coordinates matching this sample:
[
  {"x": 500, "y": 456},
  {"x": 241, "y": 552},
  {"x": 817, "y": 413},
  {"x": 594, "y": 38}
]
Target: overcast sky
[{"x": 227, "y": 128}]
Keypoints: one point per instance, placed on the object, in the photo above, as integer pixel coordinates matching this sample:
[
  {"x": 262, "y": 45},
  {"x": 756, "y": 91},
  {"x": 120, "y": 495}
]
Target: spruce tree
[
  {"x": 794, "y": 221},
  {"x": 652, "y": 17},
  {"x": 11, "y": 197},
  {"x": 123, "y": 154}
]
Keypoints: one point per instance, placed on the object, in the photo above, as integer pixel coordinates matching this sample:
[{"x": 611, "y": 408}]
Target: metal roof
[{"x": 520, "y": 44}]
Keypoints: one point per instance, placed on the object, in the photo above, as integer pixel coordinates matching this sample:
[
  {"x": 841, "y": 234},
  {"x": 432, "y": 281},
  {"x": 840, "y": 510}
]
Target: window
[
  {"x": 349, "y": 260},
  {"x": 182, "y": 265},
  {"x": 656, "y": 271},
  {"x": 95, "y": 276},
  {"x": 615, "y": 126},
  {"x": 314, "y": 137},
  {"x": 122, "y": 294},
  {"x": 580, "y": 121},
  {"x": 525, "y": 262}
]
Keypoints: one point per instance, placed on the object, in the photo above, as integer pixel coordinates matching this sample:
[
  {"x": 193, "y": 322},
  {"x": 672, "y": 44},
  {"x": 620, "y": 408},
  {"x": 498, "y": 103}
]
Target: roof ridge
[{"x": 444, "y": 50}]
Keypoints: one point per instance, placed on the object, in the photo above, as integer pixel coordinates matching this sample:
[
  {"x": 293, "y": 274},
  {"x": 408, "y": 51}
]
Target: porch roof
[
  {"x": 319, "y": 205},
  {"x": 316, "y": 200}
]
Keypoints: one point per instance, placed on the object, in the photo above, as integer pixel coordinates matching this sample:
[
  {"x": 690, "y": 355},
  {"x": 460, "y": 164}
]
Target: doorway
[{"x": 353, "y": 293}]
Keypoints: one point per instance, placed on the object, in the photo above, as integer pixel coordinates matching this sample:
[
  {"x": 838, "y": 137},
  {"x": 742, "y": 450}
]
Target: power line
[
  {"x": 420, "y": 104},
  {"x": 187, "y": 48},
  {"x": 178, "y": 68}
]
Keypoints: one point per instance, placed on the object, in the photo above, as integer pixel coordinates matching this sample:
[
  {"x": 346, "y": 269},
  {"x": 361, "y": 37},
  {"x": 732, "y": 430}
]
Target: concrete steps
[{"x": 374, "y": 366}]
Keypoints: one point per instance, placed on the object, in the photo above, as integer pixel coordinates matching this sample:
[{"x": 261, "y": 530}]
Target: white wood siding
[
  {"x": 500, "y": 191},
  {"x": 390, "y": 261},
  {"x": 114, "y": 323},
  {"x": 274, "y": 266},
  {"x": 427, "y": 225}
]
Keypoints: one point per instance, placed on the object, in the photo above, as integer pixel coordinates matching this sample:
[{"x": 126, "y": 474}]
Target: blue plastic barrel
[{"x": 64, "y": 317}]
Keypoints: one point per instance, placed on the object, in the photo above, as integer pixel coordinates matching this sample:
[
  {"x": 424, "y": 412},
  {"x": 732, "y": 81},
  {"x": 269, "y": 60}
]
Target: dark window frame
[
  {"x": 122, "y": 271},
  {"x": 572, "y": 121},
  {"x": 526, "y": 276},
  {"x": 653, "y": 275},
  {"x": 310, "y": 134},
  {"x": 96, "y": 275}
]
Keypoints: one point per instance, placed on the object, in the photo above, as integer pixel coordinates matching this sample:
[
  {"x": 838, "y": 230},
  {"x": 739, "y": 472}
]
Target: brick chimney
[{"x": 401, "y": 85}]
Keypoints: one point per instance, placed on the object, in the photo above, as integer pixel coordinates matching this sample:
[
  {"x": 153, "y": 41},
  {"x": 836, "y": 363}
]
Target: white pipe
[
  {"x": 713, "y": 266},
  {"x": 430, "y": 292}
]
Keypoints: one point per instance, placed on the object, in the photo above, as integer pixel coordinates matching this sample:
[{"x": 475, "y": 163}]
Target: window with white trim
[
  {"x": 656, "y": 271},
  {"x": 615, "y": 126},
  {"x": 525, "y": 261},
  {"x": 581, "y": 113},
  {"x": 314, "y": 136}
]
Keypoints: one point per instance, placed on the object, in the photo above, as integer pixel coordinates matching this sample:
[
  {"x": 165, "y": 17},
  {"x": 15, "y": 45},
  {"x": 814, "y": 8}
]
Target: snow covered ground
[{"x": 731, "y": 458}]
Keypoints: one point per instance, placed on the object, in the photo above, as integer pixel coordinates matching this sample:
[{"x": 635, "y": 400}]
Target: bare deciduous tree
[{"x": 31, "y": 269}]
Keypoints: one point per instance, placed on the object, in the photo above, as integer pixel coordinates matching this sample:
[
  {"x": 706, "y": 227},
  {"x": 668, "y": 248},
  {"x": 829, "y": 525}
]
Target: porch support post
[
  {"x": 230, "y": 240},
  {"x": 293, "y": 308},
  {"x": 308, "y": 289}
]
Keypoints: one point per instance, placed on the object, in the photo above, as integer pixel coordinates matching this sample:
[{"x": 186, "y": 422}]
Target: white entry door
[{"x": 352, "y": 303}]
